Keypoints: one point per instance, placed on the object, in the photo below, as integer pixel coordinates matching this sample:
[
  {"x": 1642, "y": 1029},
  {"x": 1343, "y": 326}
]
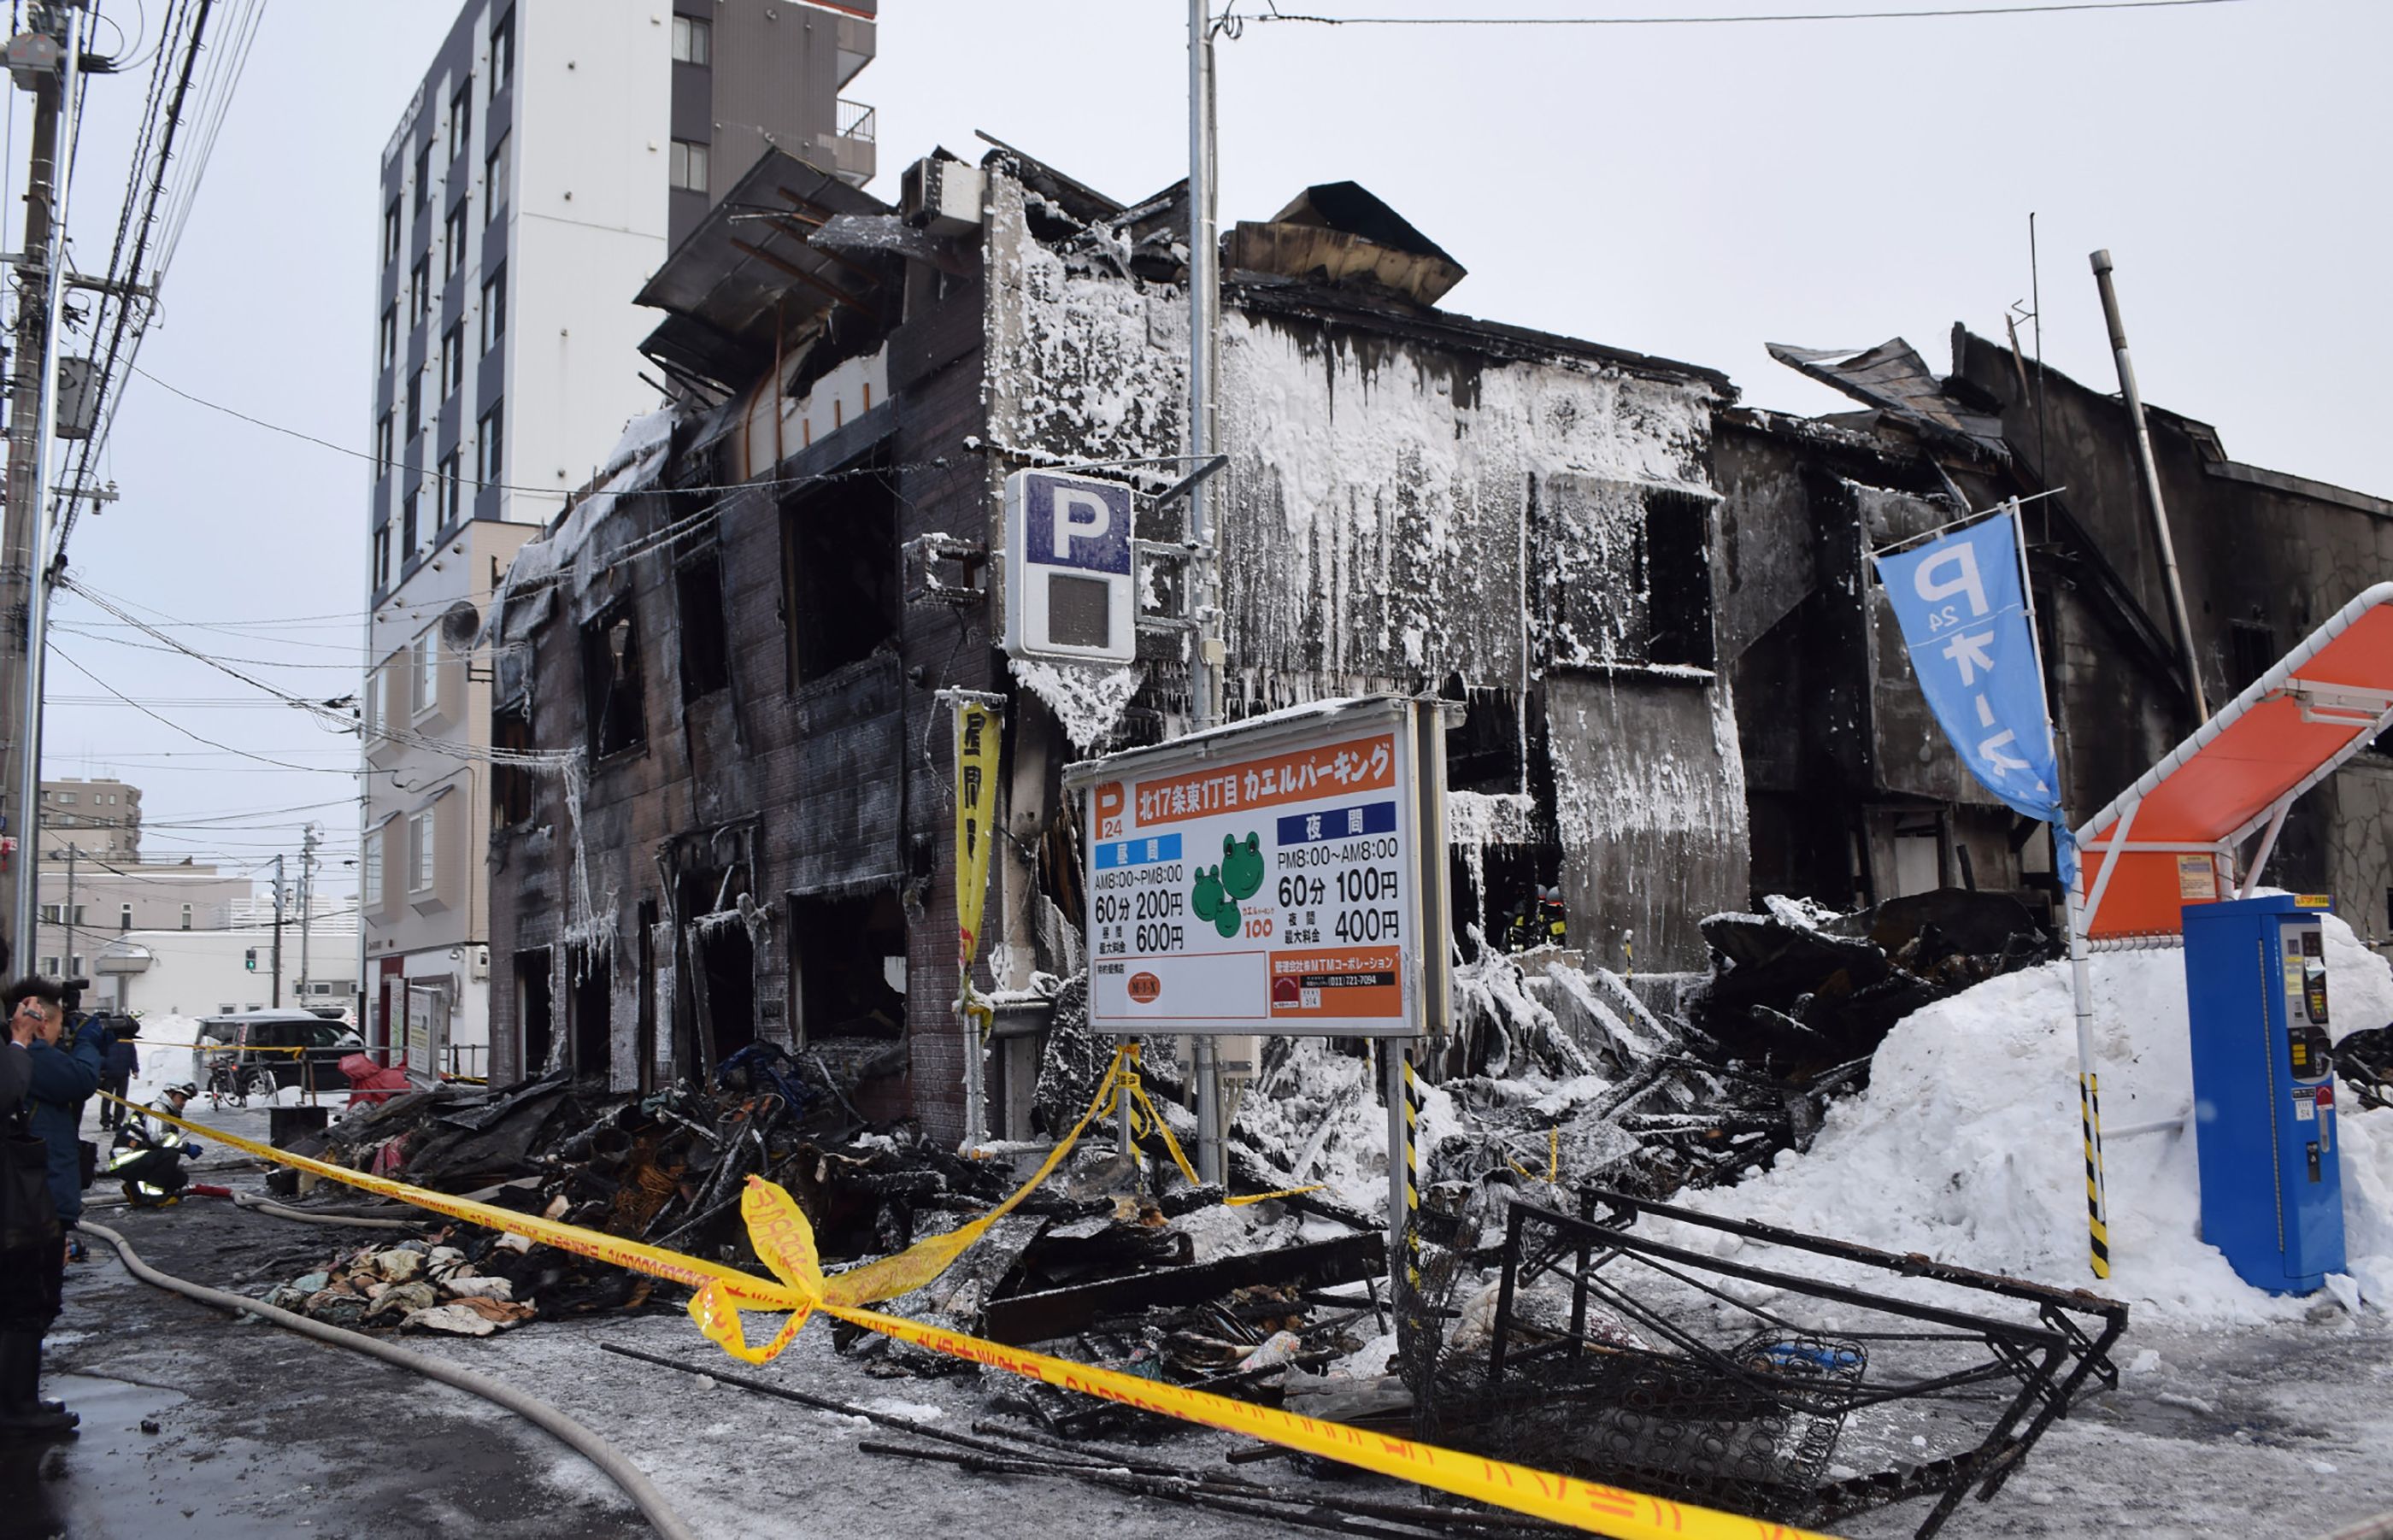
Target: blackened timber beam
[
  {"x": 834, "y": 290},
  {"x": 1062, "y": 1311}
]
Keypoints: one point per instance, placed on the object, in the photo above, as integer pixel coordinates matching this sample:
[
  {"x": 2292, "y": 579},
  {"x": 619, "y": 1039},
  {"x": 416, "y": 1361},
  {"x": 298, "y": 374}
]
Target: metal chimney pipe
[{"x": 2149, "y": 471}]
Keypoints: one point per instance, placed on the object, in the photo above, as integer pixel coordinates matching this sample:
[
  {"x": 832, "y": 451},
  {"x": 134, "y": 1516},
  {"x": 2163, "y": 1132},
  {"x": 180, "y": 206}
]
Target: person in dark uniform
[
  {"x": 40, "y": 1083},
  {"x": 120, "y": 1062}
]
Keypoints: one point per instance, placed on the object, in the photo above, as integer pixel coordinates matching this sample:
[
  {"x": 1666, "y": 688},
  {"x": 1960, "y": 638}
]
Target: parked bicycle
[{"x": 230, "y": 1085}]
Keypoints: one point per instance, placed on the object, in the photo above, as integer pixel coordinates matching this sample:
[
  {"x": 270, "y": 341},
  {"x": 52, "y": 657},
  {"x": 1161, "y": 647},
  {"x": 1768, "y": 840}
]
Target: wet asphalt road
[{"x": 261, "y": 1431}]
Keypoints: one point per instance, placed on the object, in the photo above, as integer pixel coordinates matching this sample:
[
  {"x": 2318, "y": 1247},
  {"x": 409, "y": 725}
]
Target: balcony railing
[{"x": 855, "y": 121}]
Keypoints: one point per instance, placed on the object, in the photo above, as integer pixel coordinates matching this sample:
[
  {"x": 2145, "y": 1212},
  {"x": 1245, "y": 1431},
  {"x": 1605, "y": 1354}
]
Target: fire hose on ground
[{"x": 611, "y": 1461}]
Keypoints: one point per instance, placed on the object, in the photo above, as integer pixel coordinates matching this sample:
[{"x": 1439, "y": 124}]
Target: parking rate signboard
[{"x": 1266, "y": 879}]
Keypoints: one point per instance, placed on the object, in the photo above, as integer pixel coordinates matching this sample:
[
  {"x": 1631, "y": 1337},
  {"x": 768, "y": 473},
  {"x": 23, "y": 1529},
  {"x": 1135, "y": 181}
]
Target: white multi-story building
[{"x": 554, "y": 152}]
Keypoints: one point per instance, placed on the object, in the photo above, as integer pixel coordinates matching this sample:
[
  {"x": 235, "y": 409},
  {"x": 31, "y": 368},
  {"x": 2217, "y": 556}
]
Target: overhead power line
[{"x": 1233, "y": 18}]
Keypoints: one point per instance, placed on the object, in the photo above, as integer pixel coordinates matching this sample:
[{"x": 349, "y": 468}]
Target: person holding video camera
[{"x": 60, "y": 1071}]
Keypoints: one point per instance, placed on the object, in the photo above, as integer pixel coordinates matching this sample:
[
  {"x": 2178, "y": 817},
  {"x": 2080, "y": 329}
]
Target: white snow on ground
[
  {"x": 1966, "y": 1144},
  {"x": 163, "y": 1065}
]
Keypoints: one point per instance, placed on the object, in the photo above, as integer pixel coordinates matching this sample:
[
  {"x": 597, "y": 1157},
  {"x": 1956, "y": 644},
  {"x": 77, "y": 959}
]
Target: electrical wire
[
  {"x": 1232, "y": 19},
  {"x": 153, "y": 153},
  {"x": 763, "y": 484},
  {"x": 72, "y": 662},
  {"x": 356, "y": 661}
]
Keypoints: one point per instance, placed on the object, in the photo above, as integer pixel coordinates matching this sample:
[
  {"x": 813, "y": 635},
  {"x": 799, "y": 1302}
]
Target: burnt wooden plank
[{"x": 1061, "y": 1312}]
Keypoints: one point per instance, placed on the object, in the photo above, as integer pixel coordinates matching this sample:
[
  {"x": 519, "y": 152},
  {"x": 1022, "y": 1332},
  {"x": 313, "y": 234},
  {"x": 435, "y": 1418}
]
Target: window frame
[
  {"x": 382, "y": 556},
  {"x": 502, "y": 52},
  {"x": 689, "y": 167},
  {"x": 452, "y": 359},
  {"x": 496, "y": 185},
  {"x": 187, "y": 917},
  {"x": 494, "y": 308},
  {"x": 693, "y": 41},
  {"x": 461, "y": 120},
  {"x": 419, "y": 291},
  {"x": 423, "y": 174},
  {"x": 384, "y": 444},
  {"x": 424, "y": 676},
  {"x": 449, "y": 501},
  {"x": 424, "y": 869},
  {"x": 489, "y": 446},
  {"x": 390, "y": 335},
  {"x": 411, "y": 509},
  {"x": 455, "y": 238},
  {"x": 369, "y": 873},
  {"x": 391, "y": 227}
]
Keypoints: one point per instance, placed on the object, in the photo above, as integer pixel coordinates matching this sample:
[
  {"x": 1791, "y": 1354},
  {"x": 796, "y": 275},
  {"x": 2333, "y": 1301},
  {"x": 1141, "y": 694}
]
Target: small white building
[{"x": 208, "y": 972}]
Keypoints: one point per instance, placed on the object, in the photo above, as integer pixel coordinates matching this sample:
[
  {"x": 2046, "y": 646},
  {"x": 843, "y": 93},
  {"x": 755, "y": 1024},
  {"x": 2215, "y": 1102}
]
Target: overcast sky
[{"x": 1693, "y": 192}]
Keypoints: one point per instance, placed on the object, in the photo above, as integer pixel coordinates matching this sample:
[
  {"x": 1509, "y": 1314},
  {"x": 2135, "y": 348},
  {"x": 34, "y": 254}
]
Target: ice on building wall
[{"x": 1396, "y": 510}]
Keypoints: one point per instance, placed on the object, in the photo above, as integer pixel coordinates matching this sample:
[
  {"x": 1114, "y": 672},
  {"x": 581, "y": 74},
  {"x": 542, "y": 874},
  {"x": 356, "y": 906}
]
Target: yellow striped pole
[{"x": 2089, "y": 1092}]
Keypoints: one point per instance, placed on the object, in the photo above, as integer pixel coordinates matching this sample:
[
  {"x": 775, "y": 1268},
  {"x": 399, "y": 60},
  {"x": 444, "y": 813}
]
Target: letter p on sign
[{"x": 1080, "y": 515}]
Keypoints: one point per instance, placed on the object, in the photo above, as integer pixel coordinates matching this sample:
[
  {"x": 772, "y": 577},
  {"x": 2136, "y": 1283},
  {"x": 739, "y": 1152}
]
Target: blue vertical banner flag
[{"x": 1963, "y": 609}]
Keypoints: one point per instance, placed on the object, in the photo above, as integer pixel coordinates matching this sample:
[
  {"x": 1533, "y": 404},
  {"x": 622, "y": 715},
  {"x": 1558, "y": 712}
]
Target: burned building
[
  {"x": 728, "y": 813},
  {"x": 1855, "y": 794}
]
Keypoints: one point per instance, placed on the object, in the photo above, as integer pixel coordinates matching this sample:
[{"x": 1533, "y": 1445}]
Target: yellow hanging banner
[{"x": 976, "y": 744}]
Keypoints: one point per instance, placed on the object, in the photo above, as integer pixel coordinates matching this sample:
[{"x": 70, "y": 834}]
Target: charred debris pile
[{"x": 1557, "y": 1076}]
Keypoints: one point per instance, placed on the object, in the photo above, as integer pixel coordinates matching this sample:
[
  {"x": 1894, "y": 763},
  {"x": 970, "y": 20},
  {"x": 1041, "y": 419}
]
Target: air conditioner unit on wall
[{"x": 941, "y": 195}]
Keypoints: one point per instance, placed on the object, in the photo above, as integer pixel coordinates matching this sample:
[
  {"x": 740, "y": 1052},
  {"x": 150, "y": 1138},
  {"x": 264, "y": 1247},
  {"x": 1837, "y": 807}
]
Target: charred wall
[
  {"x": 2265, "y": 557},
  {"x": 766, "y": 847}
]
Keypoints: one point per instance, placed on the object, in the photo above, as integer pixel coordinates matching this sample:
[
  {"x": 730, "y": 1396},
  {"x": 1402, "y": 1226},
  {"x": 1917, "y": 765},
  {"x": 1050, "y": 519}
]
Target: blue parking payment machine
[{"x": 2264, "y": 1088}]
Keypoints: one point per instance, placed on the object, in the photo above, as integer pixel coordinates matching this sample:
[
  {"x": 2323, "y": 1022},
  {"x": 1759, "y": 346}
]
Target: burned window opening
[
  {"x": 705, "y": 629},
  {"x": 841, "y": 575},
  {"x": 840, "y": 956},
  {"x": 1679, "y": 584},
  {"x": 613, "y": 697},
  {"x": 1510, "y": 894},
  {"x": 511, "y": 783},
  {"x": 1621, "y": 574},
  {"x": 1485, "y": 751},
  {"x": 536, "y": 1008},
  {"x": 645, "y": 1037},
  {"x": 726, "y": 955},
  {"x": 591, "y": 989},
  {"x": 2251, "y": 651}
]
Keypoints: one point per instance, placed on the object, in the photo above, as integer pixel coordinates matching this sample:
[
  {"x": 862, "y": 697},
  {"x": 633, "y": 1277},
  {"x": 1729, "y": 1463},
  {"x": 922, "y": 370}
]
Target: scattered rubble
[{"x": 467, "y": 1290}]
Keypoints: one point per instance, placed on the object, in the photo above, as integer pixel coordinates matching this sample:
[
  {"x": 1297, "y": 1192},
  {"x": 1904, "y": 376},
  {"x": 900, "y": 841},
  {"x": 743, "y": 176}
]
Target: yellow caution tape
[
  {"x": 783, "y": 1238},
  {"x": 1126, "y": 1071},
  {"x": 239, "y": 1047}
]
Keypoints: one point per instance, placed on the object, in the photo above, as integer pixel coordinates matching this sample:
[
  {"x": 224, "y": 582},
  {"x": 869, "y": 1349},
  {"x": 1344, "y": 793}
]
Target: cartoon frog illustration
[
  {"x": 1208, "y": 898},
  {"x": 1242, "y": 866}
]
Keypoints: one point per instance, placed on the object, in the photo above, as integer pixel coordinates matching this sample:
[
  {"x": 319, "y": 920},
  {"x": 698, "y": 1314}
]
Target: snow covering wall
[
  {"x": 1384, "y": 498},
  {"x": 1400, "y": 506}
]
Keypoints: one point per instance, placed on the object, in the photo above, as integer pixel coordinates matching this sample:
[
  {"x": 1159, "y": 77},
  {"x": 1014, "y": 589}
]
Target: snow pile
[
  {"x": 1965, "y": 1145},
  {"x": 163, "y": 1064}
]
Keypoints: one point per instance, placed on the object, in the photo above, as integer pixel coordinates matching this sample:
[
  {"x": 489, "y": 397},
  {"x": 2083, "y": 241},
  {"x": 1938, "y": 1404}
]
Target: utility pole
[
  {"x": 2149, "y": 471},
  {"x": 1207, "y": 657},
  {"x": 278, "y": 932},
  {"x": 67, "y": 916},
  {"x": 44, "y": 60},
  {"x": 306, "y": 899}
]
